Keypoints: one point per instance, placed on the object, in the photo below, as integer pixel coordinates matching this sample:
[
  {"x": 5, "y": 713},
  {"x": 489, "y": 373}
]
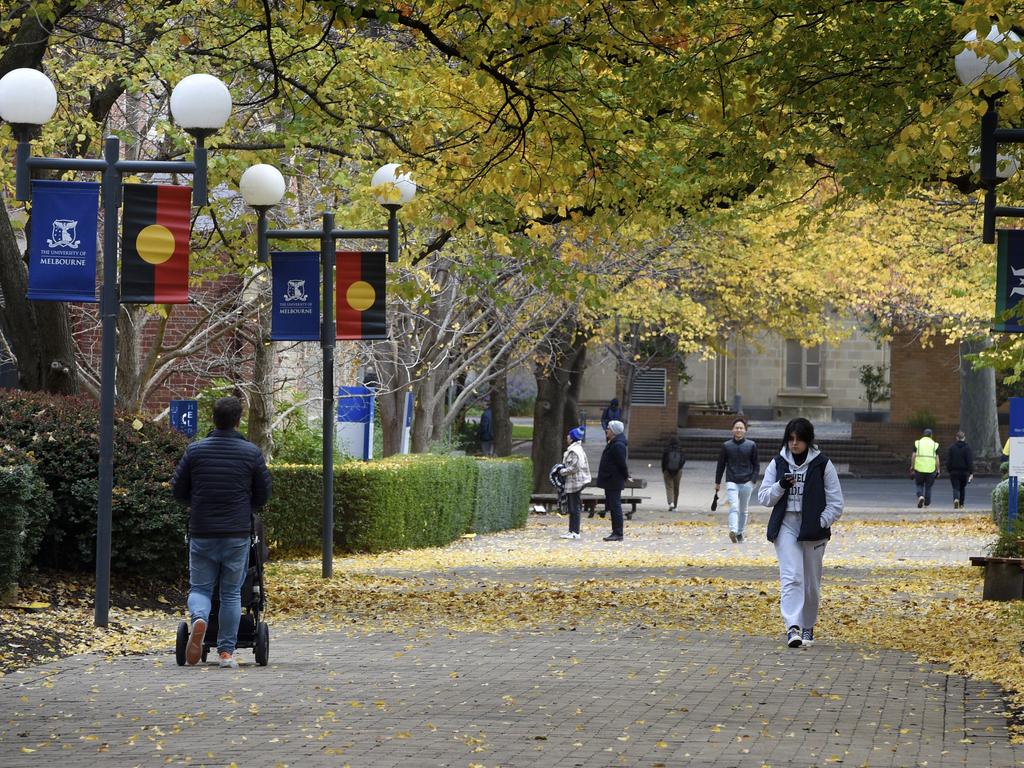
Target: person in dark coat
[
  {"x": 613, "y": 474},
  {"x": 738, "y": 461},
  {"x": 672, "y": 461},
  {"x": 611, "y": 413},
  {"x": 960, "y": 465},
  {"x": 485, "y": 431},
  {"x": 223, "y": 478}
]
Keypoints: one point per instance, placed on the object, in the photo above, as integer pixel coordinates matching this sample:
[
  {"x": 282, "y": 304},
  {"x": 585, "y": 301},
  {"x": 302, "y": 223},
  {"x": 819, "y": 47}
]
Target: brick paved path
[{"x": 629, "y": 698}]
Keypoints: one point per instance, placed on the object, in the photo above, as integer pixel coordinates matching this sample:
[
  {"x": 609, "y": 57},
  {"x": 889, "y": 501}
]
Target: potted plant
[
  {"x": 876, "y": 390},
  {"x": 1004, "y": 564}
]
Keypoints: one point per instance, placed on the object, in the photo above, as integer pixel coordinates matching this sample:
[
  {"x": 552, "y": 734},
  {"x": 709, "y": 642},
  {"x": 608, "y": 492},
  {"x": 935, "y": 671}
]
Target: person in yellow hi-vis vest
[{"x": 924, "y": 464}]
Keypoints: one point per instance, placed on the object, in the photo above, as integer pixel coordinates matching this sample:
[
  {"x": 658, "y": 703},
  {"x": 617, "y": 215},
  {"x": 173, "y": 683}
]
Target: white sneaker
[
  {"x": 569, "y": 535},
  {"x": 793, "y": 637},
  {"x": 228, "y": 661}
]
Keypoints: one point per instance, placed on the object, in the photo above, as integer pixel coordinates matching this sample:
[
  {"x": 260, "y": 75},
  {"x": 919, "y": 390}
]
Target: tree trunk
[
  {"x": 261, "y": 391},
  {"x": 391, "y": 405},
  {"x": 500, "y": 415},
  {"x": 549, "y": 411},
  {"x": 573, "y": 417},
  {"x": 423, "y": 416},
  {"x": 978, "y": 418},
  {"x": 38, "y": 332}
]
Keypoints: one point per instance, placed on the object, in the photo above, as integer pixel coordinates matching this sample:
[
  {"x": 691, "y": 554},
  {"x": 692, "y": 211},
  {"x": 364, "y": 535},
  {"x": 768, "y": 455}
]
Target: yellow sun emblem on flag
[
  {"x": 155, "y": 244},
  {"x": 360, "y": 295}
]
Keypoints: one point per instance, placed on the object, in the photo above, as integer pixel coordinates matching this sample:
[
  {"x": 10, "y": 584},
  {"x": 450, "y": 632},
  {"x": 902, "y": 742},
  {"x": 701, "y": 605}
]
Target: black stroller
[{"x": 252, "y": 631}]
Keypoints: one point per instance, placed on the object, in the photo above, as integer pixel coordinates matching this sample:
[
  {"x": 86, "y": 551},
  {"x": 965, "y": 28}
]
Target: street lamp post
[
  {"x": 991, "y": 166},
  {"x": 262, "y": 187},
  {"x": 200, "y": 104}
]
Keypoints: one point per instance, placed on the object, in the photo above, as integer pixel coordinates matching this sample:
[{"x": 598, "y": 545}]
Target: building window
[
  {"x": 803, "y": 366},
  {"x": 649, "y": 387}
]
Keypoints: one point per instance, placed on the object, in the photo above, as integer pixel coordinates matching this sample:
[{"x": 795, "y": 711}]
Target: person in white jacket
[
  {"x": 576, "y": 471},
  {"x": 802, "y": 487}
]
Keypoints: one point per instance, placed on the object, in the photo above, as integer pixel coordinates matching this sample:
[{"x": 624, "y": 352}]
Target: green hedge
[
  {"x": 503, "y": 489},
  {"x": 27, "y": 505},
  {"x": 60, "y": 435},
  {"x": 1001, "y": 502},
  {"x": 402, "y": 502}
]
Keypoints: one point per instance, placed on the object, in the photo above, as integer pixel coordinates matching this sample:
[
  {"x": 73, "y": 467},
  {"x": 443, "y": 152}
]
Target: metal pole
[
  {"x": 109, "y": 306},
  {"x": 262, "y": 245},
  {"x": 392, "y": 233},
  {"x": 327, "y": 336},
  {"x": 23, "y": 176}
]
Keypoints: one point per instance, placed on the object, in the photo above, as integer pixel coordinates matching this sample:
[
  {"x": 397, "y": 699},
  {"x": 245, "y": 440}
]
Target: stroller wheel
[
  {"x": 262, "y": 647},
  {"x": 180, "y": 641}
]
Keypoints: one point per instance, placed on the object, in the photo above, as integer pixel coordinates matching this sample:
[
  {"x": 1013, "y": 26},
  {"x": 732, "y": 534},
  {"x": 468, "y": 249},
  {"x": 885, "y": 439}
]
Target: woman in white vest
[{"x": 576, "y": 471}]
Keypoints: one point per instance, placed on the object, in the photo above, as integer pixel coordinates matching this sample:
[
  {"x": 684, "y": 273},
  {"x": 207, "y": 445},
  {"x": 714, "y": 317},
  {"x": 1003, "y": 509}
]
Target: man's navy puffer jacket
[{"x": 223, "y": 478}]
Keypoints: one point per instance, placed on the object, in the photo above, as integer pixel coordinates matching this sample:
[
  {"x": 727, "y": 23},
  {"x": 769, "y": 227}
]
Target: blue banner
[
  {"x": 296, "y": 301},
  {"x": 185, "y": 417},
  {"x": 62, "y": 254}
]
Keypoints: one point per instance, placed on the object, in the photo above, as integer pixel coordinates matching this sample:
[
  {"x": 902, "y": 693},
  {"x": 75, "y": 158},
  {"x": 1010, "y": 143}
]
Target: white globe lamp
[{"x": 27, "y": 97}]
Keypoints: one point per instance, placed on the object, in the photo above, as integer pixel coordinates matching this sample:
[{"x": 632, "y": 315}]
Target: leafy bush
[
  {"x": 1010, "y": 542},
  {"x": 503, "y": 489},
  {"x": 60, "y": 434},
  {"x": 26, "y": 504},
  {"x": 922, "y": 420},
  {"x": 1001, "y": 502},
  {"x": 403, "y": 502}
]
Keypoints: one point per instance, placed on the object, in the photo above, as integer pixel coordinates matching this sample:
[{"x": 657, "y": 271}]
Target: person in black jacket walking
[
  {"x": 802, "y": 487},
  {"x": 738, "y": 460},
  {"x": 612, "y": 474},
  {"x": 960, "y": 465},
  {"x": 223, "y": 478}
]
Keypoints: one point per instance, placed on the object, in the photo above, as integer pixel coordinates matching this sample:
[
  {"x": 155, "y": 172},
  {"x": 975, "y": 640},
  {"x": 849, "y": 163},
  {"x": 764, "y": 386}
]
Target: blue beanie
[{"x": 575, "y": 434}]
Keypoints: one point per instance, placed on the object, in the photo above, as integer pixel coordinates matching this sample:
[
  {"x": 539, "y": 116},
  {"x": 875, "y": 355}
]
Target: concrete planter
[{"x": 1004, "y": 577}]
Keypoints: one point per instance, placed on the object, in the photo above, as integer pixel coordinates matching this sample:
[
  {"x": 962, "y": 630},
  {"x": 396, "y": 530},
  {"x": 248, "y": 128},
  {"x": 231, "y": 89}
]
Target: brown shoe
[{"x": 194, "y": 649}]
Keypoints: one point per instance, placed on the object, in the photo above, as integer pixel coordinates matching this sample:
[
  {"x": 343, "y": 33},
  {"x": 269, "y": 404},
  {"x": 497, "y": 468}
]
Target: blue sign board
[
  {"x": 185, "y": 417},
  {"x": 296, "y": 289},
  {"x": 62, "y": 253},
  {"x": 355, "y": 405}
]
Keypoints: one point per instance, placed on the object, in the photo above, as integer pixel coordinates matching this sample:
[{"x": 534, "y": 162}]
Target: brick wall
[
  {"x": 710, "y": 420},
  {"x": 651, "y": 426},
  {"x": 224, "y": 357},
  {"x": 924, "y": 379}
]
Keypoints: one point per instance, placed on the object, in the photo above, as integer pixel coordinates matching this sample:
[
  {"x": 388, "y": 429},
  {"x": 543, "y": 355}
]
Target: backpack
[{"x": 675, "y": 460}]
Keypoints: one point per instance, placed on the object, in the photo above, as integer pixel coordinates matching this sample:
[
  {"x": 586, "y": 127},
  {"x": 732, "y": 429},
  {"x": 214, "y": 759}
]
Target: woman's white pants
[{"x": 800, "y": 564}]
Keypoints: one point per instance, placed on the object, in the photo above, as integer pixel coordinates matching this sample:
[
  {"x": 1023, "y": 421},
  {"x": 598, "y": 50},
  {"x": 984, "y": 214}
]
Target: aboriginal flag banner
[
  {"x": 361, "y": 295},
  {"x": 154, "y": 245}
]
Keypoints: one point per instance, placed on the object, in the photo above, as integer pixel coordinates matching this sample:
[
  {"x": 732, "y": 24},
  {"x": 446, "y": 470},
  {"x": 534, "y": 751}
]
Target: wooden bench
[{"x": 588, "y": 501}]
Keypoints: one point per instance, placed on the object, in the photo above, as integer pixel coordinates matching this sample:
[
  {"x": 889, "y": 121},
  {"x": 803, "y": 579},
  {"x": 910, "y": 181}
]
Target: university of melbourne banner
[
  {"x": 155, "y": 242},
  {"x": 62, "y": 256},
  {"x": 361, "y": 296},
  {"x": 296, "y": 305},
  {"x": 1009, "y": 279}
]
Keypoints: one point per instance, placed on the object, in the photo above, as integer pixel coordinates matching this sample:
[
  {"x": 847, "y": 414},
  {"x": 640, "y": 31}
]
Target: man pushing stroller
[{"x": 224, "y": 478}]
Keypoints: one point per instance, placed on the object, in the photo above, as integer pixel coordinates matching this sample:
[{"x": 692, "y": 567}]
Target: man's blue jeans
[{"x": 208, "y": 561}]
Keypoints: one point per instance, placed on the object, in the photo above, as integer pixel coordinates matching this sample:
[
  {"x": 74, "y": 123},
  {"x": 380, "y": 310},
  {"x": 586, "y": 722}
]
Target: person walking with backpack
[
  {"x": 802, "y": 487},
  {"x": 672, "y": 461},
  {"x": 576, "y": 473},
  {"x": 924, "y": 464},
  {"x": 738, "y": 461},
  {"x": 960, "y": 465}
]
